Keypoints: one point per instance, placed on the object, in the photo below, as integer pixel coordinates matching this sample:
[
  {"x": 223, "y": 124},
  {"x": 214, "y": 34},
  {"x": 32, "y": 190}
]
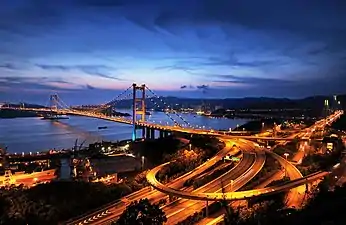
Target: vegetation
[
  {"x": 186, "y": 160},
  {"x": 271, "y": 166},
  {"x": 137, "y": 182},
  {"x": 189, "y": 182},
  {"x": 316, "y": 162},
  {"x": 257, "y": 125},
  {"x": 326, "y": 207},
  {"x": 279, "y": 182},
  {"x": 157, "y": 151},
  {"x": 55, "y": 202},
  {"x": 9, "y": 113},
  {"x": 142, "y": 213},
  {"x": 290, "y": 148},
  {"x": 215, "y": 174},
  {"x": 340, "y": 124}
]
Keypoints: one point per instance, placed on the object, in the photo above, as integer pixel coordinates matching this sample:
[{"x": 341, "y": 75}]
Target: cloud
[
  {"x": 233, "y": 61},
  {"x": 9, "y": 66},
  {"x": 37, "y": 84},
  {"x": 262, "y": 47},
  {"x": 90, "y": 87},
  {"x": 258, "y": 81},
  {"x": 95, "y": 70},
  {"x": 203, "y": 87}
]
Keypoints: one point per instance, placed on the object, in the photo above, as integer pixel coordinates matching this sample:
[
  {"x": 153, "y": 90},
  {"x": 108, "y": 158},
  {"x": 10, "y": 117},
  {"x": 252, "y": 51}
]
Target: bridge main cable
[
  {"x": 116, "y": 99},
  {"x": 156, "y": 96},
  {"x": 166, "y": 113}
]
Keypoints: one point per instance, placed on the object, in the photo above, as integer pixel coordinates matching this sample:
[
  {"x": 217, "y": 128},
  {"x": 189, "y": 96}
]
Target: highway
[
  {"x": 112, "y": 211},
  {"x": 116, "y": 209},
  {"x": 291, "y": 170},
  {"x": 218, "y": 216},
  {"x": 241, "y": 174},
  {"x": 296, "y": 195}
]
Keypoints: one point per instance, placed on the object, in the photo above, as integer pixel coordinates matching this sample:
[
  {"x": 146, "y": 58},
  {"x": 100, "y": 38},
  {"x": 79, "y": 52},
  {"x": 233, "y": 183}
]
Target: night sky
[{"x": 89, "y": 50}]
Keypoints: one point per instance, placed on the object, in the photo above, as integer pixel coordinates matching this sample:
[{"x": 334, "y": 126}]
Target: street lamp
[
  {"x": 143, "y": 162},
  {"x": 286, "y": 155}
]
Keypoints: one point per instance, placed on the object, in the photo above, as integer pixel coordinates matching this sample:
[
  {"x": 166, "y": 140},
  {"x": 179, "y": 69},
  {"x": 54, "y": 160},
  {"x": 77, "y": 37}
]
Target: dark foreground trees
[
  {"x": 142, "y": 213},
  {"x": 326, "y": 207},
  {"x": 55, "y": 202}
]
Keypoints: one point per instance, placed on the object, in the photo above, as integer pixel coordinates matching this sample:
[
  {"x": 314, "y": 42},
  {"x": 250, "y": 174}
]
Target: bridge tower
[
  {"x": 138, "y": 107},
  {"x": 53, "y": 100}
]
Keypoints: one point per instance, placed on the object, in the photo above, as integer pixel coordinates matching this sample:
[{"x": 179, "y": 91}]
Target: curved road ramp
[{"x": 151, "y": 177}]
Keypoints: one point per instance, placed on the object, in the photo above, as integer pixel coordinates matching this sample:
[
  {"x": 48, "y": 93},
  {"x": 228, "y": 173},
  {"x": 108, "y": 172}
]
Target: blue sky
[{"x": 89, "y": 50}]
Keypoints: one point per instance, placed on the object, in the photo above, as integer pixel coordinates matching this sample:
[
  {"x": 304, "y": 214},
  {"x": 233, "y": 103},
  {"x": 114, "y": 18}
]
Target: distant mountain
[
  {"x": 311, "y": 103},
  {"x": 26, "y": 105},
  {"x": 314, "y": 103}
]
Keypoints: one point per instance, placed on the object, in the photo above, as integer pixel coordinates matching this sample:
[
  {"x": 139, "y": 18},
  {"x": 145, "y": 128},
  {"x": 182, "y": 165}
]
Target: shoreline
[{"x": 39, "y": 135}]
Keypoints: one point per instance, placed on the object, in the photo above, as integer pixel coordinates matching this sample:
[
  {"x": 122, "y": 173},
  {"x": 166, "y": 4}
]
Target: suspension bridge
[{"x": 139, "y": 94}]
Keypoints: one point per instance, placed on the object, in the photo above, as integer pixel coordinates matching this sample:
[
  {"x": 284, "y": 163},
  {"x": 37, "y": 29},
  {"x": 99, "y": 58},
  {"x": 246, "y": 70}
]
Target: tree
[
  {"x": 232, "y": 216},
  {"x": 142, "y": 213}
]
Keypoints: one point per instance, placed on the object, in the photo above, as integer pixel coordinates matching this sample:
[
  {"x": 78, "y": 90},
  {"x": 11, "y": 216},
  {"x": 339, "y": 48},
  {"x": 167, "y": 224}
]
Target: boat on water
[{"x": 101, "y": 128}]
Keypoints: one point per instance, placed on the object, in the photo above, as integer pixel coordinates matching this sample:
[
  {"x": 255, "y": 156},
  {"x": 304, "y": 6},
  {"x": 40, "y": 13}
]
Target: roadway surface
[
  {"x": 113, "y": 211},
  {"x": 295, "y": 196},
  {"x": 219, "y": 216},
  {"x": 250, "y": 165},
  {"x": 174, "y": 211}
]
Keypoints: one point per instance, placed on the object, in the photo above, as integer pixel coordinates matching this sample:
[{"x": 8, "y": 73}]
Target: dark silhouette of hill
[{"x": 314, "y": 103}]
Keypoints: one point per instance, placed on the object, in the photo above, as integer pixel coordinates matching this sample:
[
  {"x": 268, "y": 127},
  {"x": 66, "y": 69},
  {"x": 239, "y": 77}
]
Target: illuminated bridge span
[{"x": 138, "y": 94}]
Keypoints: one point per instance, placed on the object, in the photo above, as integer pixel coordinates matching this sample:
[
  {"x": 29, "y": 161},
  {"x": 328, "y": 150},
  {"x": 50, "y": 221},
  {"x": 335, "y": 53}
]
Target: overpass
[
  {"x": 230, "y": 196},
  {"x": 111, "y": 212}
]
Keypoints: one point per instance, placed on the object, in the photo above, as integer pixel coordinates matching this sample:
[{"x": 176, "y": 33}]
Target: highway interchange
[{"x": 189, "y": 200}]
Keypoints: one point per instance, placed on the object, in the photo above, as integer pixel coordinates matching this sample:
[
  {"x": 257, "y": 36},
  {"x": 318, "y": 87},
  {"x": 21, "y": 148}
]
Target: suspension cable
[
  {"x": 156, "y": 96},
  {"x": 167, "y": 114}
]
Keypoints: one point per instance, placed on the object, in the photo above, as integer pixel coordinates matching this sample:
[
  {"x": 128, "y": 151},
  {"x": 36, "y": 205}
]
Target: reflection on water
[{"x": 34, "y": 134}]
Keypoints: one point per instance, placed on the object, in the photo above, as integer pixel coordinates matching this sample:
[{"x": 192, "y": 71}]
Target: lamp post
[
  {"x": 286, "y": 155},
  {"x": 143, "y": 162}
]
